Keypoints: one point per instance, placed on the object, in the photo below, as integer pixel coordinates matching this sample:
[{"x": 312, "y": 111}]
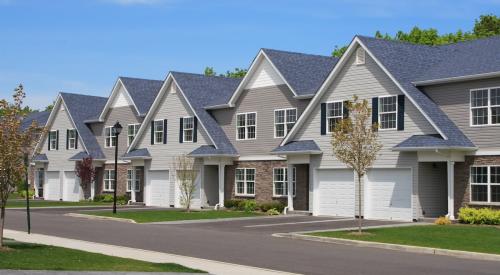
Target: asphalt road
[{"x": 250, "y": 243}]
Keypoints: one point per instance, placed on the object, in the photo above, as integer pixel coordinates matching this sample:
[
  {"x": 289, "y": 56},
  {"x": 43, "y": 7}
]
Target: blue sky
[{"x": 83, "y": 46}]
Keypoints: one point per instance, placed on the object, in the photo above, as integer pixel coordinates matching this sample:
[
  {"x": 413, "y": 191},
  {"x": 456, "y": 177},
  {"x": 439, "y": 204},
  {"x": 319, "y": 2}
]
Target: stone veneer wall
[
  {"x": 462, "y": 174},
  {"x": 264, "y": 182}
]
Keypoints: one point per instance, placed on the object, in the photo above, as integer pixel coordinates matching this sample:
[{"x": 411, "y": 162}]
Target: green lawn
[
  {"x": 484, "y": 239},
  {"x": 171, "y": 215},
  {"x": 41, "y": 257},
  {"x": 44, "y": 203}
]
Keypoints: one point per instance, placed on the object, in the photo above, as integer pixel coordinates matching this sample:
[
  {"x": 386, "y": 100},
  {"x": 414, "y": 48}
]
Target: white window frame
[
  {"x": 71, "y": 139},
  {"x": 285, "y": 122},
  {"x": 136, "y": 127},
  {"x": 155, "y": 132},
  {"x": 184, "y": 129},
  {"x": 380, "y": 113},
  {"x": 285, "y": 182},
  {"x": 488, "y": 184},
  {"x": 328, "y": 117},
  {"x": 111, "y": 137},
  {"x": 133, "y": 177},
  {"x": 111, "y": 181},
  {"x": 488, "y": 107},
  {"x": 246, "y": 126},
  {"x": 53, "y": 141},
  {"x": 245, "y": 182}
]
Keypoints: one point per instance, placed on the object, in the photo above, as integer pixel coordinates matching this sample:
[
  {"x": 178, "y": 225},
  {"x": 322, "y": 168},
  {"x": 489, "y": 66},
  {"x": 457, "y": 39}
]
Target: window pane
[
  {"x": 495, "y": 193},
  {"x": 495, "y": 96},
  {"x": 279, "y": 116},
  {"x": 388, "y": 104},
  {"x": 251, "y": 131},
  {"x": 240, "y": 176},
  {"x": 479, "y": 175},
  {"x": 250, "y": 174},
  {"x": 240, "y": 120},
  {"x": 280, "y": 130},
  {"x": 334, "y": 109},
  {"x": 291, "y": 115},
  {"x": 159, "y": 126},
  {"x": 495, "y": 174},
  {"x": 479, "y": 192},
  {"x": 188, "y": 135},
  {"x": 495, "y": 115},
  {"x": 479, "y": 98},
  {"x": 241, "y": 133},
  {"x": 250, "y": 188},
  {"x": 388, "y": 121},
  {"x": 251, "y": 119},
  {"x": 480, "y": 116}
]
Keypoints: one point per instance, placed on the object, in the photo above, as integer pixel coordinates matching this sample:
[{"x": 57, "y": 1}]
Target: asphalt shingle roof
[
  {"x": 82, "y": 108},
  {"x": 304, "y": 72},
  {"x": 203, "y": 91},
  {"x": 428, "y": 141},
  {"x": 138, "y": 153},
  {"x": 40, "y": 158},
  {"x": 142, "y": 91},
  {"x": 298, "y": 146},
  {"x": 40, "y": 118}
]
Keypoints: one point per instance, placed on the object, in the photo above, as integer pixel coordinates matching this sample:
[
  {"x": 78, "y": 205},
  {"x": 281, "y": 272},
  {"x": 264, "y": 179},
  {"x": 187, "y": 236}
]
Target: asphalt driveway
[{"x": 249, "y": 242}]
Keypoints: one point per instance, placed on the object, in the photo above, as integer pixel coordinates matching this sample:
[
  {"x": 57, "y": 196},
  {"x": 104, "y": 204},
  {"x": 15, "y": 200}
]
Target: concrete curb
[
  {"x": 50, "y": 272},
  {"x": 398, "y": 247},
  {"x": 95, "y": 217},
  {"x": 75, "y": 207},
  {"x": 221, "y": 220}
]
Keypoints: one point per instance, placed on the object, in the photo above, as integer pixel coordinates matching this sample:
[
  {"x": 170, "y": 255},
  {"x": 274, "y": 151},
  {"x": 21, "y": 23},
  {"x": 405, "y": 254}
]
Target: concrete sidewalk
[
  {"x": 51, "y": 272},
  {"x": 213, "y": 267}
]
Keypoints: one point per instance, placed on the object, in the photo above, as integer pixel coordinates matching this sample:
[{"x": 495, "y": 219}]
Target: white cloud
[{"x": 135, "y": 2}]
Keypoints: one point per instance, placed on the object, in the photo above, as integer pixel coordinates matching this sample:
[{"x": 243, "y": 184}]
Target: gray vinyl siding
[
  {"x": 58, "y": 159},
  {"x": 433, "y": 189},
  {"x": 125, "y": 115},
  {"x": 454, "y": 100},
  {"x": 263, "y": 101},
  {"x": 368, "y": 81}
]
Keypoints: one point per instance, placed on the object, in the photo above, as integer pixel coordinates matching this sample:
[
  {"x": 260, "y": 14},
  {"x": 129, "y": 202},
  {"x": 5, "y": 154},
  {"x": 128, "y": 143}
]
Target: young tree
[
  {"x": 16, "y": 145},
  {"x": 184, "y": 166},
  {"x": 86, "y": 172},
  {"x": 355, "y": 143}
]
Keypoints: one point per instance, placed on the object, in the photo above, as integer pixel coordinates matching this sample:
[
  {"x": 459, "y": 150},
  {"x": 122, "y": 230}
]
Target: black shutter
[
  {"x": 181, "y": 129},
  {"x": 152, "y": 132},
  {"x": 323, "y": 119},
  {"x": 195, "y": 129},
  {"x": 401, "y": 112},
  {"x": 57, "y": 140},
  {"x": 76, "y": 139},
  {"x": 67, "y": 139},
  {"x": 375, "y": 110},
  {"x": 48, "y": 138},
  {"x": 164, "y": 131},
  {"x": 345, "y": 111}
]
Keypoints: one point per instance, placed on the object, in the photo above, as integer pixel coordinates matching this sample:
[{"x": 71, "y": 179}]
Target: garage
[
  {"x": 71, "y": 187},
  {"x": 336, "y": 192},
  {"x": 159, "y": 182},
  {"x": 52, "y": 187},
  {"x": 388, "y": 194}
]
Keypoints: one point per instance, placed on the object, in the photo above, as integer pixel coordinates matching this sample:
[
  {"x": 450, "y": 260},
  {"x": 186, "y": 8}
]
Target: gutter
[
  {"x": 458, "y": 148},
  {"x": 455, "y": 79}
]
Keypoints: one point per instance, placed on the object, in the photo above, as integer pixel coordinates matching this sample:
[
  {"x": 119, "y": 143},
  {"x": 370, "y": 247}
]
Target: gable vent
[{"x": 360, "y": 56}]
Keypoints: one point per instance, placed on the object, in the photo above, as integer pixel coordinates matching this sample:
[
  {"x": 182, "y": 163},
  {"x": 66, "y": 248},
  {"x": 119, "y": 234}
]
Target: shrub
[
  {"x": 277, "y": 205},
  {"x": 248, "y": 205},
  {"x": 22, "y": 194},
  {"x": 479, "y": 216},
  {"x": 103, "y": 198},
  {"x": 232, "y": 204},
  {"x": 122, "y": 200},
  {"x": 442, "y": 221},
  {"x": 272, "y": 212}
]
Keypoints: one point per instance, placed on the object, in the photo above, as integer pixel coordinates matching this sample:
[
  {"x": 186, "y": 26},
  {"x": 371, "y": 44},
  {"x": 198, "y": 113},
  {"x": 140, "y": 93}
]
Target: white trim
[
  {"x": 111, "y": 181},
  {"x": 285, "y": 182},
  {"x": 162, "y": 131},
  {"x": 112, "y": 97},
  {"x": 327, "y": 117},
  {"x": 169, "y": 80},
  {"x": 246, "y": 126},
  {"x": 49, "y": 139},
  {"x": 245, "y": 185},
  {"x": 74, "y": 138},
  {"x": 455, "y": 79},
  {"x": 488, "y": 107},
  {"x": 184, "y": 130},
  {"x": 136, "y": 130},
  {"x": 360, "y": 56},
  {"x": 380, "y": 113},
  {"x": 336, "y": 70},
  {"x": 285, "y": 122},
  {"x": 485, "y": 152},
  {"x": 260, "y": 157},
  {"x": 488, "y": 184}
]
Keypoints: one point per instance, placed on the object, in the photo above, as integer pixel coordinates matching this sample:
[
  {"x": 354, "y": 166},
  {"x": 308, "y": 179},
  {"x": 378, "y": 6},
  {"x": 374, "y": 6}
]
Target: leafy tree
[
  {"x": 487, "y": 25},
  {"x": 355, "y": 143},
  {"x": 85, "y": 170},
  {"x": 184, "y": 166},
  {"x": 15, "y": 148},
  {"x": 209, "y": 71},
  {"x": 50, "y": 107},
  {"x": 236, "y": 73}
]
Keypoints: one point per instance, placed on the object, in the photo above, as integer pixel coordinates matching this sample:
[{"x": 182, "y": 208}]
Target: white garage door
[
  {"x": 52, "y": 188},
  {"x": 159, "y": 182},
  {"x": 388, "y": 194},
  {"x": 71, "y": 187},
  {"x": 336, "y": 192}
]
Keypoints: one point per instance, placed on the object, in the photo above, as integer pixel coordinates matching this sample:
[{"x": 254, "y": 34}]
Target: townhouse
[{"x": 267, "y": 136}]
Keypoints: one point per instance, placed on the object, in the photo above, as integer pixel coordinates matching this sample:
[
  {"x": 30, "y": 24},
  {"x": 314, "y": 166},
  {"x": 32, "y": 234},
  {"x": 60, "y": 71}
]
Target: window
[
  {"x": 280, "y": 181},
  {"x": 334, "y": 113},
  {"x": 187, "y": 129},
  {"x": 134, "y": 180},
  {"x": 109, "y": 136},
  {"x": 158, "y": 131},
  {"x": 388, "y": 112},
  {"x": 109, "y": 180},
  {"x": 284, "y": 119},
  {"x": 485, "y": 184},
  {"x": 72, "y": 139},
  {"x": 246, "y": 126},
  {"x": 53, "y": 140},
  {"x": 485, "y": 106},
  {"x": 245, "y": 181},
  {"x": 132, "y": 130}
]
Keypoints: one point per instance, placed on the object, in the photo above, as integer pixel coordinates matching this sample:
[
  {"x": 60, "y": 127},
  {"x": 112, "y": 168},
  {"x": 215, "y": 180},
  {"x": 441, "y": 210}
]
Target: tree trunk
[
  {"x": 360, "y": 221},
  {"x": 2, "y": 222}
]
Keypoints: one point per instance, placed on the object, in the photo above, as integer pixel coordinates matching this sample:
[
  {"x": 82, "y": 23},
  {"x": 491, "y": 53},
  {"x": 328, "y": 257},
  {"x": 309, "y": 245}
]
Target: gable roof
[
  {"x": 40, "y": 118},
  {"x": 141, "y": 92},
  {"x": 402, "y": 62}
]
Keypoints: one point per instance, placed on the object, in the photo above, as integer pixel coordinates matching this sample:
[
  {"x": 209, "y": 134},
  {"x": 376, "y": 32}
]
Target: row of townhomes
[{"x": 267, "y": 136}]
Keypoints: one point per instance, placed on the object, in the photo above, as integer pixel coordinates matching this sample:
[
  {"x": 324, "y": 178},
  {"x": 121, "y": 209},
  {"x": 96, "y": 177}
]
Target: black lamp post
[{"x": 117, "y": 128}]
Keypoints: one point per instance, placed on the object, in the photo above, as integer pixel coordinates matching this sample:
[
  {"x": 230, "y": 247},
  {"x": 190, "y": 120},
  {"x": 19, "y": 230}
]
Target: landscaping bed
[
  {"x": 474, "y": 238},
  {"x": 145, "y": 216},
  {"x": 26, "y": 256}
]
